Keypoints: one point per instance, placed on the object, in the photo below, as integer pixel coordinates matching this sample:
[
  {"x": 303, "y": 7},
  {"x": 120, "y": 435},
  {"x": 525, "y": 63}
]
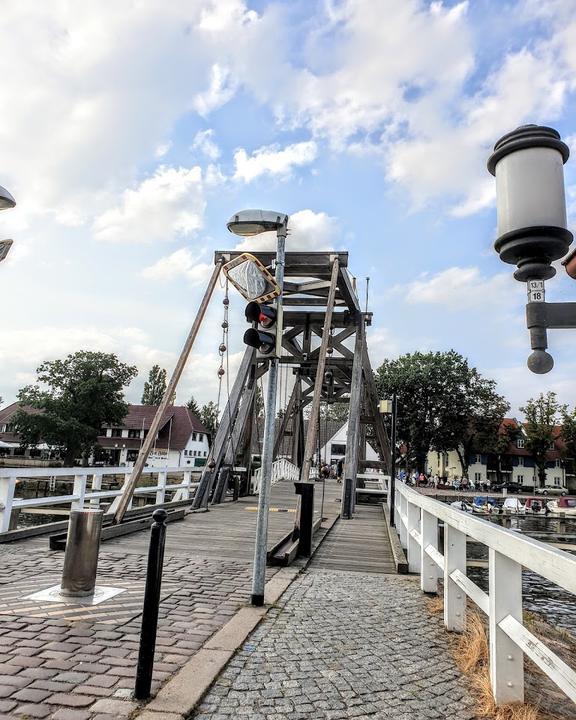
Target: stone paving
[
  {"x": 343, "y": 645},
  {"x": 65, "y": 667}
]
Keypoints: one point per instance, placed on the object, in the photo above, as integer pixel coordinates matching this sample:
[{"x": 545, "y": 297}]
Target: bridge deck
[{"x": 358, "y": 545}]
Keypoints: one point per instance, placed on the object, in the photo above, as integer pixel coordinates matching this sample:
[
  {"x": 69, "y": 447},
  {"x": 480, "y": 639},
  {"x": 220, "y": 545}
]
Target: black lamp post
[{"x": 532, "y": 227}]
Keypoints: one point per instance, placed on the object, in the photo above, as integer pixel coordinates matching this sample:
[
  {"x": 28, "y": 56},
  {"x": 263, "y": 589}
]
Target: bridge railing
[
  {"x": 417, "y": 517},
  {"x": 86, "y": 487},
  {"x": 282, "y": 469}
]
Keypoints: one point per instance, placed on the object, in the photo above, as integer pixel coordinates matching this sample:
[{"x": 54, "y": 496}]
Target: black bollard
[
  {"x": 151, "y": 604},
  {"x": 306, "y": 491},
  {"x": 348, "y": 487}
]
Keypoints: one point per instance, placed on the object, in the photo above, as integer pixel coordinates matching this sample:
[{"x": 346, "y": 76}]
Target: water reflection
[{"x": 552, "y": 602}]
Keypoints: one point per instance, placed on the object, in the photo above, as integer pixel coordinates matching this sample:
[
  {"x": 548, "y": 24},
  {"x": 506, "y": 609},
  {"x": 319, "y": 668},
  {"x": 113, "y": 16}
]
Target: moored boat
[{"x": 562, "y": 506}]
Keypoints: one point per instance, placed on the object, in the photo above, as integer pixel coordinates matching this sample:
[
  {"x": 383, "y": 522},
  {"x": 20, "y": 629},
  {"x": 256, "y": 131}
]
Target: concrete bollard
[{"x": 81, "y": 557}]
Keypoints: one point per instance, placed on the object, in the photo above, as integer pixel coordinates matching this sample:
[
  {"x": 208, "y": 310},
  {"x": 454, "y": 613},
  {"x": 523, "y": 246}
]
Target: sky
[{"x": 131, "y": 131}]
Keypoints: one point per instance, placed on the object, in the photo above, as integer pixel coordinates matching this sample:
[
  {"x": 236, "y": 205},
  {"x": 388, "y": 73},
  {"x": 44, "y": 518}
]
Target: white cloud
[
  {"x": 271, "y": 160},
  {"x": 221, "y": 89},
  {"x": 458, "y": 288},
  {"x": 381, "y": 345},
  {"x": 307, "y": 230},
  {"x": 181, "y": 263},
  {"x": 204, "y": 143},
  {"x": 162, "y": 149},
  {"x": 170, "y": 203}
]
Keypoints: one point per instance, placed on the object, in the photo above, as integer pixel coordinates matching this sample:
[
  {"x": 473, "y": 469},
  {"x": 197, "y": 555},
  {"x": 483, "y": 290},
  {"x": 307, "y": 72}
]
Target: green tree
[
  {"x": 441, "y": 403},
  {"x": 193, "y": 406},
  {"x": 72, "y": 400},
  {"x": 335, "y": 411},
  {"x": 569, "y": 432},
  {"x": 499, "y": 447},
  {"x": 154, "y": 387},
  {"x": 209, "y": 417},
  {"x": 541, "y": 416}
]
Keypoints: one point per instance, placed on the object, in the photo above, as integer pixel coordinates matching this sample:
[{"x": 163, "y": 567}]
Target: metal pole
[
  {"x": 128, "y": 489},
  {"x": 393, "y": 459},
  {"x": 261, "y": 548},
  {"x": 151, "y": 604}
]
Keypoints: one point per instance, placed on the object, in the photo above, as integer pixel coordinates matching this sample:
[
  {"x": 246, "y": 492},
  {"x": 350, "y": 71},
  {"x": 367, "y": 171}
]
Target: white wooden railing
[
  {"x": 416, "y": 519},
  {"x": 282, "y": 469},
  {"x": 86, "y": 487}
]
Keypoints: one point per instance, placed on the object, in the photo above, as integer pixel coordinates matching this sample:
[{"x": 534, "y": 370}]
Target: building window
[
  {"x": 116, "y": 432},
  {"x": 134, "y": 434},
  {"x": 558, "y": 463},
  {"x": 194, "y": 436},
  {"x": 557, "y": 481},
  {"x": 520, "y": 462},
  {"x": 205, "y": 453},
  {"x": 200, "y": 437},
  {"x": 520, "y": 443},
  {"x": 338, "y": 449},
  {"x": 477, "y": 477},
  {"x": 551, "y": 446},
  {"x": 520, "y": 479}
]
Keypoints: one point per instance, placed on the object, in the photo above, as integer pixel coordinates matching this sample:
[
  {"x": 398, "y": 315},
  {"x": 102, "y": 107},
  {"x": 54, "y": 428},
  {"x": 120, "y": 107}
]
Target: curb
[
  {"x": 180, "y": 695},
  {"x": 398, "y": 553}
]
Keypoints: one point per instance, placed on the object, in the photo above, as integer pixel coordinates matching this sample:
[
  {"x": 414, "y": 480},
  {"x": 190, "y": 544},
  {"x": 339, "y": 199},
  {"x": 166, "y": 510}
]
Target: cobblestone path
[{"x": 343, "y": 645}]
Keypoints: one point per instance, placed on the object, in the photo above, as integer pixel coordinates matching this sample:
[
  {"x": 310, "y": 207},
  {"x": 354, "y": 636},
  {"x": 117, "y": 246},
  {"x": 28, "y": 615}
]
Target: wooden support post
[
  {"x": 454, "y": 596},
  {"x": 290, "y": 410},
  {"x": 429, "y": 569},
  {"x": 314, "y": 412},
  {"x": 506, "y": 658},
  {"x": 353, "y": 433},
  {"x": 150, "y": 439}
]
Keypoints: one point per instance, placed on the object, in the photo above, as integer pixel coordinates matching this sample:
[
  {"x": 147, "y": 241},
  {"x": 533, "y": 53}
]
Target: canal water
[{"x": 556, "y": 605}]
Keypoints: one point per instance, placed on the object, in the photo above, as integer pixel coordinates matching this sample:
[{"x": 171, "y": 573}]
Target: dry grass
[{"x": 470, "y": 651}]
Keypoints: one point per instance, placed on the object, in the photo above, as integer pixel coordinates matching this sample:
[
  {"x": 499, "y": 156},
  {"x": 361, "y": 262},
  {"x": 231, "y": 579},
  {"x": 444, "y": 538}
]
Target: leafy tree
[
  {"x": 155, "y": 386},
  {"x": 193, "y": 406},
  {"x": 72, "y": 400},
  {"x": 442, "y": 403},
  {"x": 335, "y": 411},
  {"x": 569, "y": 432},
  {"x": 499, "y": 447},
  {"x": 541, "y": 417},
  {"x": 209, "y": 417}
]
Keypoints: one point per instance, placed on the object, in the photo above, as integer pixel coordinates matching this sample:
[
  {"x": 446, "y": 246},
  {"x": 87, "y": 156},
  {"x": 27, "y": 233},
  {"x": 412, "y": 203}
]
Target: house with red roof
[{"x": 182, "y": 440}]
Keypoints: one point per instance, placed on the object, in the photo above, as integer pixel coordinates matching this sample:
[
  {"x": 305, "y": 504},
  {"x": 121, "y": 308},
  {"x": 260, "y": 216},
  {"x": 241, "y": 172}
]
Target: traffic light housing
[{"x": 266, "y": 332}]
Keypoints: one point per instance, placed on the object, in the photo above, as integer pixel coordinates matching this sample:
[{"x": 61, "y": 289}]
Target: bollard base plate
[{"x": 55, "y": 594}]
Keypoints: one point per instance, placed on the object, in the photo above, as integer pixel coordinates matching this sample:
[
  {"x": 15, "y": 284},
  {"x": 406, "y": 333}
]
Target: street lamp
[
  {"x": 390, "y": 407},
  {"x": 6, "y": 202},
  {"x": 246, "y": 224},
  {"x": 532, "y": 227}
]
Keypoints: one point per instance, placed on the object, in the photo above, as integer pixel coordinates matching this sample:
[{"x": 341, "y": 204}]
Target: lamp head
[
  {"x": 253, "y": 222},
  {"x": 6, "y": 199}
]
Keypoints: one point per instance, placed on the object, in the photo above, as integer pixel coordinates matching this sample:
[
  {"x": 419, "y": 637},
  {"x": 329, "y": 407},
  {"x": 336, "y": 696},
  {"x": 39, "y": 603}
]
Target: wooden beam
[
  {"x": 314, "y": 413},
  {"x": 348, "y": 293},
  {"x": 372, "y": 395},
  {"x": 353, "y": 433},
  {"x": 216, "y": 453}
]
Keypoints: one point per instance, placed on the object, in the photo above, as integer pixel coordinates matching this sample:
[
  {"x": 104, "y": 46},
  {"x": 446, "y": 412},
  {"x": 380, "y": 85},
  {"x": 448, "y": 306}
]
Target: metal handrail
[{"x": 416, "y": 518}]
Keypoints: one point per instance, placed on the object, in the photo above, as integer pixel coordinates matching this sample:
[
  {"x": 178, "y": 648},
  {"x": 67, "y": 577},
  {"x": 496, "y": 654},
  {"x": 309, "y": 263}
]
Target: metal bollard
[
  {"x": 151, "y": 604},
  {"x": 306, "y": 492},
  {"x": 81, "y": 556},
  {"x": 347, "y": 509}
]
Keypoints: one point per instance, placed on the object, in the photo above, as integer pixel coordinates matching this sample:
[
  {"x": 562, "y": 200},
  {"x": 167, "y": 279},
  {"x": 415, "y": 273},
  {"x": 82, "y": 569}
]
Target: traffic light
[{"x": 266, "y": 332}]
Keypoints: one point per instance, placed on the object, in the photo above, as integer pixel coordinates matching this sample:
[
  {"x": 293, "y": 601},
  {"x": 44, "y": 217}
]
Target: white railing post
[
  {"x": 506, "y": 658},
  {"x": 186, "y": 481},
  {"x": 7, "y": 486},
  {"x": 161, "y": 492},
  {"x": 96, "y": 486},
  {"x": 401, "y": 526},
  {"x": 429, "y": 569},
  {"x": 397, "y": 499},
  {"x": 454, "y": 597},
  {"x": 413, "y": 513},
  {"x": 79, "y": 490}
]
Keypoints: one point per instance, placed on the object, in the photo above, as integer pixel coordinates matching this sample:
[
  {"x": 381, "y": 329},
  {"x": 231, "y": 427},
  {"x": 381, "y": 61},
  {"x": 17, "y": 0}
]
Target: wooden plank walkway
[{"x": 357, "y": 545}]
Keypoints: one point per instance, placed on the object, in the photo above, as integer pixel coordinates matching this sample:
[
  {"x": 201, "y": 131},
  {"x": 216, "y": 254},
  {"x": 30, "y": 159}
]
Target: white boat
[
  {"x": 461, "y": 505},
  {"x": 513, "y": 505},
  {"x": 562, "y": 506}
]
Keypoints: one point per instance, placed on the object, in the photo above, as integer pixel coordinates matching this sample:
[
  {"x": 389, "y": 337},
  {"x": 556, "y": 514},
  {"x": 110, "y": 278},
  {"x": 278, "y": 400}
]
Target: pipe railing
[
  {"x": 86, "y": 487},
  {"x": 417, "y": 518}
]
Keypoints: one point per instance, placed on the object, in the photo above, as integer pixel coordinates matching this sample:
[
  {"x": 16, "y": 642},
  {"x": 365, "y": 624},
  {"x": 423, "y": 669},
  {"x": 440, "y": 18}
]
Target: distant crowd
[{"x": 436, "y": 481}]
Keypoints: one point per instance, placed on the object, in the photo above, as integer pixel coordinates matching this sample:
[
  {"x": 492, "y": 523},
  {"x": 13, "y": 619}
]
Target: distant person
[
  {"x": 325, "y": 471},
  {"x": 339, "y": 469}
]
